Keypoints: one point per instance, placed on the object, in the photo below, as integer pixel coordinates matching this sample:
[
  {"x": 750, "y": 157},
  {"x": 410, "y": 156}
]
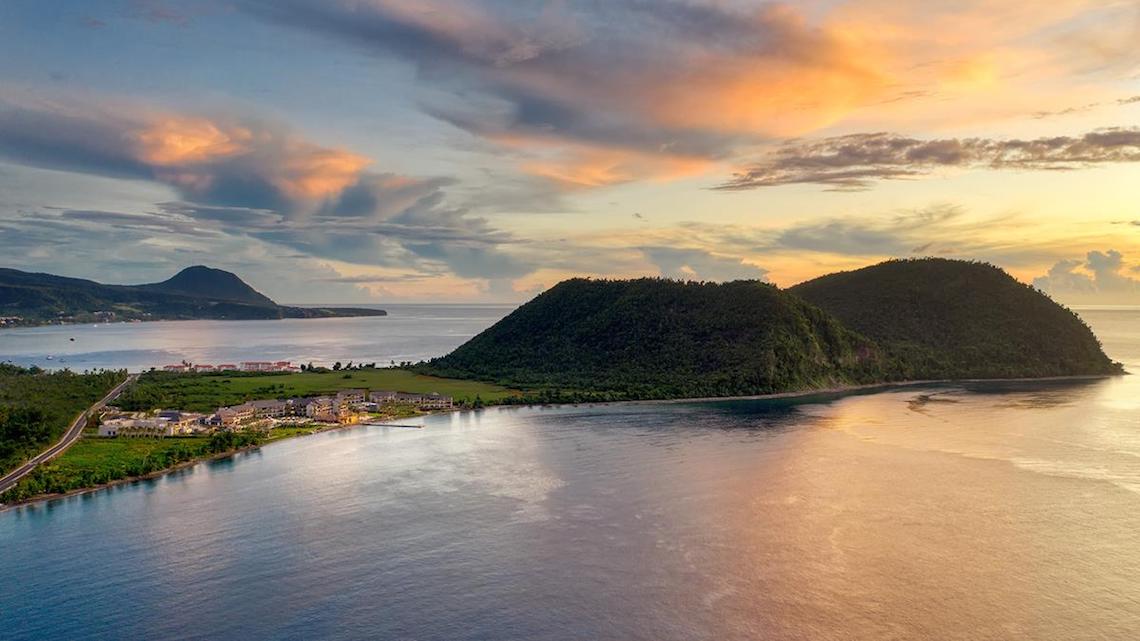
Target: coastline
[
  {"x": 189, "y": 320},
  {"x": 42, "y": 498},
  {"x": 838, "y": 391},
  {"x": 874, "y": 387}
]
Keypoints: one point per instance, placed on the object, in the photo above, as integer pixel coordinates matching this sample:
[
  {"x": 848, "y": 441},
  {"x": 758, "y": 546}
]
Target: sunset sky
[{"x": 482, "y": 150}]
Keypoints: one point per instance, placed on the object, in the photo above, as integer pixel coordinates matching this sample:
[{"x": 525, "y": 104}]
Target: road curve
[{"x": 70, "y": 437}]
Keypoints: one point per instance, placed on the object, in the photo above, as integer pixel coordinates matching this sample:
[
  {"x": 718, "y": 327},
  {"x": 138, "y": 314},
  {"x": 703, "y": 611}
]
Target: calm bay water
[
  {"x": 408, "y": 333},
  {"x": 980, "y": 511}
]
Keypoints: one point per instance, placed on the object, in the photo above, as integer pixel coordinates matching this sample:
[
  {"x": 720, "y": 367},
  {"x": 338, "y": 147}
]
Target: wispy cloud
[{"x": 856, "y": 161}]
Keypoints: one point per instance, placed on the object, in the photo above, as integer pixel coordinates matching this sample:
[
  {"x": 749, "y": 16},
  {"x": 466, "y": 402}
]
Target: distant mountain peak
[{"x": 201, "y": 281}]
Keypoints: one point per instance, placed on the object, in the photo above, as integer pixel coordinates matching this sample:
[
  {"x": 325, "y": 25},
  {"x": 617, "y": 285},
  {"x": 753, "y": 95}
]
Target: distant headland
[{"x": 195, "y": 293}]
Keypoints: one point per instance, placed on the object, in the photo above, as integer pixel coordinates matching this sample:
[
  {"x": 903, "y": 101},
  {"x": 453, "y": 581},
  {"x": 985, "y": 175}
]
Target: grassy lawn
[
  {"x": 207, "y": 392},
  {"x": 95, "y": 453}
]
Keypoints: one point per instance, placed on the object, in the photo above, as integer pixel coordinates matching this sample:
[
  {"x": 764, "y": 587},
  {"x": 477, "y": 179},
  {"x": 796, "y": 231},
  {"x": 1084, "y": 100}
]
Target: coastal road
[{"x": 70, "y": 437}]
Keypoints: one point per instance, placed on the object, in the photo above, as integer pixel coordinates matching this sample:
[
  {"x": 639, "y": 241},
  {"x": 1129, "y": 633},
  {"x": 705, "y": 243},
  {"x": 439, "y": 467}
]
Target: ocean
[
  {"x": 408, "y": 333},
  {"x": 962, "y": 511}
]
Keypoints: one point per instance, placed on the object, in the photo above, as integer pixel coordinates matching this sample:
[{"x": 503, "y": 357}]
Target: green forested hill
[
  {"x": 194, "y": 293},
  {"x": 938, "y": 318},
  {"x": 653, "y": 338}
]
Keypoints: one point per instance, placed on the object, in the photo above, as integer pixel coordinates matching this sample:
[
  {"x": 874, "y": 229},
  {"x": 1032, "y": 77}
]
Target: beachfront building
[
  {"x": 227, "y": 367},
  {"x": 174, "y": 368},
  {"x": 381, "y": 397},
  {"x": 272, "y": 408},
  {"x": 433, "y": 401},
  {"x": 350, "y": 398},
  {"x": 321, "y": 408},
  {"x": 235, "y": 415}
]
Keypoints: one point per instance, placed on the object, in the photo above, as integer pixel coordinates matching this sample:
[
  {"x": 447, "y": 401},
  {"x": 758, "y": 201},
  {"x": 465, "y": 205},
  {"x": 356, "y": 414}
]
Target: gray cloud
[
  {"x": 592, "y": 72},
  {"x": 245, "y": 177},
  {"x": 856, "y": 161},
  {"x": 1103, "y": 279},
  {"x": 695, "y": 264},
  {"x": 918, "y": 232}
]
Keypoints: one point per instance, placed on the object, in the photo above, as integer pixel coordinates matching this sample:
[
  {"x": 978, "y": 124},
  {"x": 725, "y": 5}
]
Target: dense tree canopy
[
  {"x": 900, "y": 320},
  {"x": 36, "y": 407},
  {"x": 655, "y": 338},
  {"x": 938, "y": 318}
]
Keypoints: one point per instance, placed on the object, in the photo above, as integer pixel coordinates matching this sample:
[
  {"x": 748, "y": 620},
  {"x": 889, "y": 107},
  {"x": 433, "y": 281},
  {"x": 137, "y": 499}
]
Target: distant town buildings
[{"x": 246, "y": 366}]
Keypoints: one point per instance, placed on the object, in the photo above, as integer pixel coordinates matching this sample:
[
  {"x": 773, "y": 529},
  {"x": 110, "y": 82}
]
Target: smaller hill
[
  {"x": 194, "y": 293},
  {"x": 939, "y": 318},
  {"x": 200, "y": 281},
  {"x": 653, "y": 338}
]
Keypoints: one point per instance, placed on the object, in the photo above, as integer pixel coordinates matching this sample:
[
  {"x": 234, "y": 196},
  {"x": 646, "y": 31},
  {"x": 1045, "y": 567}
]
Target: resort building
[
  {"x": 382, "y": 396},
  {"x": 433, "y": 401},
  {"x": 351, "y": 398},
  {"x": 236, "y": 415},
  {"x": 272, "y": 409},
  {"x": 320, "y": 408},
  {"x": 227, "y": 367}
]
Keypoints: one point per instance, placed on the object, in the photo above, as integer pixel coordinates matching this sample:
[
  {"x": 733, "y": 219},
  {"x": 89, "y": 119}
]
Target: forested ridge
[
  {"x": 656, "y": 338},
  {"x": 36, "y": 407},
  {"x": 939, "y": 318}
]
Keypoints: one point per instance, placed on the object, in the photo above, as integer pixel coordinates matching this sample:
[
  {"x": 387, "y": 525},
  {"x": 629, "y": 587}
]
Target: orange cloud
[
  {"x": 176, "y": 140},
  {"x": 583, "y": 167},
  {"x": 185, "y": 150},
  {"x": 309, "y": 172}
]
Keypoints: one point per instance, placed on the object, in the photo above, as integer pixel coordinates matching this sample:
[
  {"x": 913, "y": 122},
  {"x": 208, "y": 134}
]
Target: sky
[{"x": 358, "y": 151}]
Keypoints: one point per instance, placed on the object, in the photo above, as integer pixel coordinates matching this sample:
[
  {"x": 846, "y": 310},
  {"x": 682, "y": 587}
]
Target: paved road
[{"x": 70, "y": 437}]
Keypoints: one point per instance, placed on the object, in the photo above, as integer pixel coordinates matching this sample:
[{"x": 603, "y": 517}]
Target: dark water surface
[{"x": 982, "y": 511}]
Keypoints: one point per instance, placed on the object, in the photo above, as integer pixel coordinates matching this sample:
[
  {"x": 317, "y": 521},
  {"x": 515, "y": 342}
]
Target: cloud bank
[
  {"x": 1099, "y": 277},
  {"x": 857, "y": 161}
]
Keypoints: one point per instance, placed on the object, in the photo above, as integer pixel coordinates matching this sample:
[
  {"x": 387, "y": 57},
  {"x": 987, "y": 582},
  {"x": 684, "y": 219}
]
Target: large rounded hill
[
  {"x": 939, "y": 318},
  {"x": 654, "y": 338}
]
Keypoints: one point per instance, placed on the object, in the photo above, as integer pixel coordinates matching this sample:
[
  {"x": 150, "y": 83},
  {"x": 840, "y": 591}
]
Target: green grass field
[
  {"x": 207, "y": 392},
  {"x": 113, "y": 454}
]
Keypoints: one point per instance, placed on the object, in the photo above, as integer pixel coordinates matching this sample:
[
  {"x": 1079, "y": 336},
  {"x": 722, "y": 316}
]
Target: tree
[{"x": 336, "y": 366}]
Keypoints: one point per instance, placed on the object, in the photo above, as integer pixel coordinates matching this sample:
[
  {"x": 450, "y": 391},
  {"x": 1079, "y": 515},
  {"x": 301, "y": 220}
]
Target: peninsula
[
  {"x": 195, "y": 293},
  {"x": 902, "y": 320}
]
